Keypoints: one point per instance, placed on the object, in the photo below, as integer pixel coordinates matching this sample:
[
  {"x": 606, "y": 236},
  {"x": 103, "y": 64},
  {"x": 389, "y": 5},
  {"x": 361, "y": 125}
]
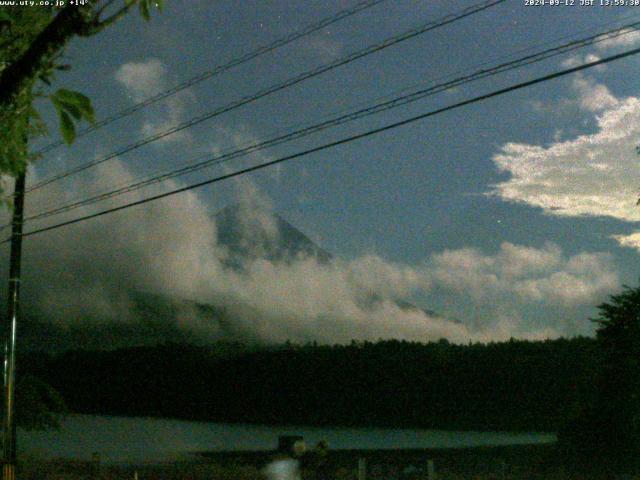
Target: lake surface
[{"x": 123, "y": 440}]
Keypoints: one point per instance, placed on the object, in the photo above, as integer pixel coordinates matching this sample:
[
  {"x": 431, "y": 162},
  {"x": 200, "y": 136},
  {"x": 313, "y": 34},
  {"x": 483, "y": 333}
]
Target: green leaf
[
  {"x": 67, "y": 128},
  {"x": 62, "y": 106},
  {"x": 144, "y": 9},
  {"x": 75, "y": 103},
  {"x": 159, "y": 4},
  {"x": 72, "y": 97},
  {"x": 74, "y": 110},
  {"x": 87, "y": 110},
  {"x": 56, "y": 103}
]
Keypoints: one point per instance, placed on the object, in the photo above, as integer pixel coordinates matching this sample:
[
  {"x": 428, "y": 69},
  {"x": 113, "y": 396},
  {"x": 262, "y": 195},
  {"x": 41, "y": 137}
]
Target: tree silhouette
[
  {"x": 619, "y": 389},
  {"x": 607, "y": 428}
]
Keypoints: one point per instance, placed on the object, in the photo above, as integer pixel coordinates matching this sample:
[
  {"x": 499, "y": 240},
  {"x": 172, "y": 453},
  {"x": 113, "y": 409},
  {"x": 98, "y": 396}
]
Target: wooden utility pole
[{"x": 13, "y": 305}]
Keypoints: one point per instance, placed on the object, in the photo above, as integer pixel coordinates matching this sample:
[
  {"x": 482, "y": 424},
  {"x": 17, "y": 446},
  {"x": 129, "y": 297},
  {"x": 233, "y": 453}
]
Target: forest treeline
[{"x": 513, "y": 385}]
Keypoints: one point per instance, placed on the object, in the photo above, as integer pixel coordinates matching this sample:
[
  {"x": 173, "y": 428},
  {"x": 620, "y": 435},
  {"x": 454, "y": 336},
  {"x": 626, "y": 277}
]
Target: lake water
[{"x": 119, "y": 439}]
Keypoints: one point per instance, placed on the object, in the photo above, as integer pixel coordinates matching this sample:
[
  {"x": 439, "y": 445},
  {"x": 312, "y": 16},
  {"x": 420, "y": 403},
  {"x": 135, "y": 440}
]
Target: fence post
[
  {"x": 95, "y": 464},
  {"x": 362, "y": 468},
  {"x": 431, "y": 471},
  {"x": 503, "y": 468}
]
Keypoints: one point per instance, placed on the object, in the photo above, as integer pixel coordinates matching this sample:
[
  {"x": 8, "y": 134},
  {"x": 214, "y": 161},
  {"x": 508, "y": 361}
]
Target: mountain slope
[
  {"x": 134, "y": 317},
  {"x": 250, "y": 234}
]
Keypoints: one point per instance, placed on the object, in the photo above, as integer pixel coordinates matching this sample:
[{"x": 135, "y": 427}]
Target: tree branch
[
  {"x": 101, "y": 25},
  {"x": 106, "y": 5},
  {"x": 68, "y": 22},
  {"x": 72, "y": 20}
]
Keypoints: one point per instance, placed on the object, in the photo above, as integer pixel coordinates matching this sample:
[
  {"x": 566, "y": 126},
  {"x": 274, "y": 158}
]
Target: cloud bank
[
  {"x": 529, "y": 275},
  {"x": 87, "y": 273},
  {"x": 590, "y": 175}
]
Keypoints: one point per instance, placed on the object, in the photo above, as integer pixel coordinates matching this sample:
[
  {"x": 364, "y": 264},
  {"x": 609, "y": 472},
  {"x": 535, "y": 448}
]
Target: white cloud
[
  {"x": 590, "y": 175},
  {"x": 390, "y": 280},
  {"x": 571, "y": 62},
  {"x": 588, "y": 95},
  {"x": 306, "y": 300},
  {"x": 592, "y": 96},
  {"x": 630, "y": 241},
  {"x": 590, "y": 57},
  {"x": 170, "y": 248},
  {"x": 142, "y": 80},
  {"x": 542, "y": 276},
  {"x": 577, "y": 60},
  {"x": 627, "y": 38}
]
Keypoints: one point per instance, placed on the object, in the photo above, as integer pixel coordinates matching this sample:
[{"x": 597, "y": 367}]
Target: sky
[{"x": 511, "y": 217}]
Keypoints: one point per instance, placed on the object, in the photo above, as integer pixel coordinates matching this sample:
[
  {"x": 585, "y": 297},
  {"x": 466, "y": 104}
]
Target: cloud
[
  {"x": 537, "y": 276},
  {"x": 588, "y": 95},
  {"x": 589, "y": 175},
  {"x": 590, "y": 57},
  {"x": 592, "y": 96},
  {"x": 629, "y": 241},
  {"x": 90, "y": 271},
  {"x": 627, "y": 38},
  {"x": 306, "y": 300},
  {"x": 577, "y": 60},
  {"x": 521, "y": 291},
  {"x": 142, "y": 80}
]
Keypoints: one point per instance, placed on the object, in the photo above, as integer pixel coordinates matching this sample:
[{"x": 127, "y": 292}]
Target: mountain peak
[{"x": 250, "y": 232}]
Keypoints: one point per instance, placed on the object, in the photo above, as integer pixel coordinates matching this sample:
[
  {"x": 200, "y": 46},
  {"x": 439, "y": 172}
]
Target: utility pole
[{"x": 13, "y": 304}]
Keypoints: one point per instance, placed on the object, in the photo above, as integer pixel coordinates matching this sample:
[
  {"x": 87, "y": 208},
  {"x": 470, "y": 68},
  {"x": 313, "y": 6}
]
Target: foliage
[
  {"x": 71, "y": 105},
  {"x": 607, "y": 426},
  {"x": 32, "y": 41},
  {"x": 19, "y": 120},
  {"x": 619, "y": 388}
]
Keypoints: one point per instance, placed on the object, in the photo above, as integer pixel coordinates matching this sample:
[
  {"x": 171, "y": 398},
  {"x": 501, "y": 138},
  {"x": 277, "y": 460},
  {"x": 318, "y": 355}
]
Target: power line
[
  {"x": 450, "y": 18},
  {"x": 342, "y": 141},
  {"x": 341, "y": 119},
  {"x": 281, "y": 42},
  {"x": 613, "y": 33}
]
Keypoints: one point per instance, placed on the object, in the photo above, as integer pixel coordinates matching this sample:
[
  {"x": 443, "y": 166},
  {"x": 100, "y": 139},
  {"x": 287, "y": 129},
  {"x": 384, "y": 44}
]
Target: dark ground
[{"x": 521, "y": 462}]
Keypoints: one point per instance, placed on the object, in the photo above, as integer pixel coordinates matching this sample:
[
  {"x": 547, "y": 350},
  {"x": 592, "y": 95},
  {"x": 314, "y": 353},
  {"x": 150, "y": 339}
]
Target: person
[
  {"x": 314, "y": 462},
  {"x": 286, "y": 465},
  {"x": 283, "y": 468},
  {"x": 321, "y": 451}
]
